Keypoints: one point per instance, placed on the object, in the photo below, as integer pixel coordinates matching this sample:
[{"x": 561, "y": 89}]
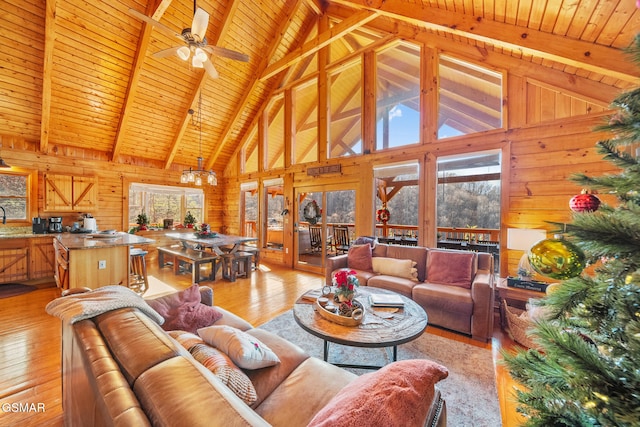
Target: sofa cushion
[
  {"x": 224, "y": 368},
  {"x": 183, "y": 310},
  {"x": 395, "y": 267},
  {"x": 393, "y": 396},
  {"x": 392, "y": 283},
  {"x": 455, "y": 268},
  {"x": 245, "y": 350},
  {"x": 359, "y": 257},
  {"x": 415, "y": 253}
]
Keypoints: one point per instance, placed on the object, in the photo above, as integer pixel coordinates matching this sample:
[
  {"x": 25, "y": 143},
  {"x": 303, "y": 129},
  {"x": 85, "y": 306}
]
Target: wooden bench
[{"x": 195, "y": 258}]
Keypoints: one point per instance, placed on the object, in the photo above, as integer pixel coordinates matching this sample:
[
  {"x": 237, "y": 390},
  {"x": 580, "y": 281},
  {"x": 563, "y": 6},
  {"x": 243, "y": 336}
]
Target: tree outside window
[{"x": 14, "y": 195}]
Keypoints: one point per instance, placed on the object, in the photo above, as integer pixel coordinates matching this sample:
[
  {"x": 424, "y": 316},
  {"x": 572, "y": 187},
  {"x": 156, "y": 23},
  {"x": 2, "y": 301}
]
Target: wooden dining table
[{"x": 230, "y": 242}]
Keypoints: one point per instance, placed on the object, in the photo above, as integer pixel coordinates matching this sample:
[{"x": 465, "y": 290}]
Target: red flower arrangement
[{"x": 345, "y": 282}]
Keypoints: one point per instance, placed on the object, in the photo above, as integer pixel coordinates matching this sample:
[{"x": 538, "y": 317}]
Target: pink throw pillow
[
  {"x": 359, "y": 258},
  {"x": 183, "y": 311},
  {"x": 399, "y": 394},
  {"x": 451, "y": 268}
]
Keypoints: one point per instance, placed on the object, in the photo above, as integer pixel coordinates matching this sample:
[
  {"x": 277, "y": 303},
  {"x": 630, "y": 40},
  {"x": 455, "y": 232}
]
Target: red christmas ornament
[{"x": 585, "y": 202}]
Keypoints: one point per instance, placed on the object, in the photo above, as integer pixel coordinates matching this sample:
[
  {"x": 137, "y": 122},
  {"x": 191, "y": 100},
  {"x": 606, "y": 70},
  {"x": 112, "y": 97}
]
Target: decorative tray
[{"x": 354, "y": 320}]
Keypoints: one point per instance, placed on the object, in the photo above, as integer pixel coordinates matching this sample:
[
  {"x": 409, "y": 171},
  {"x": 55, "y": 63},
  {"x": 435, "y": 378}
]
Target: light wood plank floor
[{"x": 30, "y": 347}]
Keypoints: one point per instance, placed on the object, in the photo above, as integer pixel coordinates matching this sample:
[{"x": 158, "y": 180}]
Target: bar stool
[{"x": 138, "y": 281}]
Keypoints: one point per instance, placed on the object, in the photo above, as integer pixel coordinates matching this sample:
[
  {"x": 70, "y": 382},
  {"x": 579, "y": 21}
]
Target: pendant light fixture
[{"x": 195, "y": 176}]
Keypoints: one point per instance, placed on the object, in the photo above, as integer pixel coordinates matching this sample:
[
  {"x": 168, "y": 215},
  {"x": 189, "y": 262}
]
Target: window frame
[
  {"x": 31, "y": 208},
  {"x": 183, "y": 191}
]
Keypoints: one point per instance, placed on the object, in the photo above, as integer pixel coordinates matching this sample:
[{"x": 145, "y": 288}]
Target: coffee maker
[{"x": 55, "y": 224}]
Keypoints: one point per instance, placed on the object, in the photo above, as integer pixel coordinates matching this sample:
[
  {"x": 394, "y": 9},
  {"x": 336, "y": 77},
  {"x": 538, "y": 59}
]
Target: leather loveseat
[
  {"x": 456, "y": 288},
  {"x": 120, "y": 368}
]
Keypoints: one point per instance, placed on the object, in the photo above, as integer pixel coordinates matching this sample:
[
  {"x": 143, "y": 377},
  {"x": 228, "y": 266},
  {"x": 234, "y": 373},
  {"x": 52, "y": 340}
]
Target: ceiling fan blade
[
  {"x": 141, "y": 16},
  {"x": 200, "y": 23},
  {"x": 210, "y": 69},
  {"x": 166, "y": 52},
  {"x": 227, "y": 53}
]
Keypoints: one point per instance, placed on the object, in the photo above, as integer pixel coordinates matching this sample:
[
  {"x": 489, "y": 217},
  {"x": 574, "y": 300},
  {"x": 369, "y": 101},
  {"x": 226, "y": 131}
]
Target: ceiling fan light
[
  {"x": 196, "y": 62},
  {"x": 183, "y": 53},
  {"x": 201, "y": 54}
]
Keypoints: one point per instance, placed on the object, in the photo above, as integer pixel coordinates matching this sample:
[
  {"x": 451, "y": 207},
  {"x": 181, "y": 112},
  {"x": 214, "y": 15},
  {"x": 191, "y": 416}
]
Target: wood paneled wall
[{"x": 113, "y": 181}]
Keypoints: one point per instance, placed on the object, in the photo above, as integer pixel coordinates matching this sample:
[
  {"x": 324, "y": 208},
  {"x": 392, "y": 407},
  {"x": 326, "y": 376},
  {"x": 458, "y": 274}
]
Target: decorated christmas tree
[{"x": 585, "y": 370}]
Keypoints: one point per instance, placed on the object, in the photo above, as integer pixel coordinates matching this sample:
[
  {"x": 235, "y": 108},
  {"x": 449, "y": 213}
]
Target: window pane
[
  {"x": 249, "y": 196},
  {"x": 162, "y": 202},
  {"x": 275, "y": 205},
  {"x": 251, "y": 153},
  {"x": 345, "y": 131},
  {"x": 341, "y": 207},
  {"x": 470, "y": 98},
  {"x": 398, "y": 96},
  {"x": 305, "y": 99},
  {"x": 13, "y": 195},
  {"x": 397, "y": 185},
  {"x": 275, "y": 133}
]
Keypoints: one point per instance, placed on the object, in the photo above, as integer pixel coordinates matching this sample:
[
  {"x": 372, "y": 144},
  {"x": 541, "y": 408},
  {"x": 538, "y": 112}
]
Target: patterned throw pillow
[
  {"x": 222, "y": 367},
  {"x": 246, "y": 351}
]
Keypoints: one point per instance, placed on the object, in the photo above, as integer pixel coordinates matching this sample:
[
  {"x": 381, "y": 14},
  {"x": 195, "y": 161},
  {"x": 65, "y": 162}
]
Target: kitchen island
[{"x": 94, "y": 260}]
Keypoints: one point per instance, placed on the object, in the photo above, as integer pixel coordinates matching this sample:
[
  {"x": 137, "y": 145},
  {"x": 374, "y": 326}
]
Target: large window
[
  {"x": 274, "y": 203},
  {"x": 162, "y": 202},
  {"x": 470, "y": 98},
  {"x": 397, "y": 191},
  {"x": 275, "y": 133},
  {"x": 249, "y": 208},
  {"x": 398, "y": 96},
  {"x": 305, "y": 110},
  {"x": 14, "y": 195},
  {"x": 468, "y": 194},
  {"x": 345, "y": 130}
]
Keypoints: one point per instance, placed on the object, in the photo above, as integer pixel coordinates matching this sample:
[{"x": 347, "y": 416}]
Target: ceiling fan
[{"x": 195, "y": 43}]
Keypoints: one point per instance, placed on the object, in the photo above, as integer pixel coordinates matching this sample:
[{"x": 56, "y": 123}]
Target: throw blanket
[{"x": 76, "y": 307}]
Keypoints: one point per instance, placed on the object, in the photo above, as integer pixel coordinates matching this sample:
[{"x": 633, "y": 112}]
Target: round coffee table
[{"x": 381, "y": 327}]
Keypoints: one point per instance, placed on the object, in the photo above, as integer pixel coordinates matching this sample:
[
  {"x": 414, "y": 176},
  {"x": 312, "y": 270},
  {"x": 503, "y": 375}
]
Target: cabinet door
[
  {"x": 84, "y": 193},
  {"x": 61, "y": 273},
  {"x": 14, "y": 264},
  {"x": 42, "y": 258},
  {"x": 58, "y": 193}
]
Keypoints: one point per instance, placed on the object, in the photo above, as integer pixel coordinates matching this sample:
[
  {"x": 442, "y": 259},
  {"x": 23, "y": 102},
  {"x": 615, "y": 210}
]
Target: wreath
[
  {"x": 383, "y": 215},
  {"x": 311, "y": 212}
]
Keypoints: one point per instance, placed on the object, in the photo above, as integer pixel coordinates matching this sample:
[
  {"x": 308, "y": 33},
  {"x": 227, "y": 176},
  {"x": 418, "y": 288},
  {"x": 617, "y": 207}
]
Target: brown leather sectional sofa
[
  {"x": 456, "y": 288},
  {"x": 121, "y": 368}
]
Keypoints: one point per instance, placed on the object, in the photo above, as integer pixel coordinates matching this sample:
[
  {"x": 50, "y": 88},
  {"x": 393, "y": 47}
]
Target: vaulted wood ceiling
[{"x": 77, "y": 73}]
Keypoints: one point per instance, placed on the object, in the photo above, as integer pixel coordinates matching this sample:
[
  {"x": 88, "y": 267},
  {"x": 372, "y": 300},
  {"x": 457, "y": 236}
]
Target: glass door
[{"x": 318, "y": 211}]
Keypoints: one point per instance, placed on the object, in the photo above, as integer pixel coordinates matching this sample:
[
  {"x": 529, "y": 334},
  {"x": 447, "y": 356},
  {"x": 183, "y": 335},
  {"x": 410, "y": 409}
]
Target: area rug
[
  {"x": 469, "y": 390},
  {"x": 14, "y": 289}
]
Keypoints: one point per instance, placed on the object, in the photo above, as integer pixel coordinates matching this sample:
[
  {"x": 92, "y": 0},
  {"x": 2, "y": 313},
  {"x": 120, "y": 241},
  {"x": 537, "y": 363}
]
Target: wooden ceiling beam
[
  {"x": 321, "y": 40},
  {"x": 585, "y": 55},
  {"x": 242, "y": 104},
  {"x": 49, "y": 41},
  {"x": 155, "y": 9}
]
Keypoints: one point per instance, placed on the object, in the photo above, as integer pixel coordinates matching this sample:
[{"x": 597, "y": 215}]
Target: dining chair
[{"x": 341, "y": 239}]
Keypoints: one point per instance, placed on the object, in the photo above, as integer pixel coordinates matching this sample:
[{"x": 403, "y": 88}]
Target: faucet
[{"x": 4, "y": 215}]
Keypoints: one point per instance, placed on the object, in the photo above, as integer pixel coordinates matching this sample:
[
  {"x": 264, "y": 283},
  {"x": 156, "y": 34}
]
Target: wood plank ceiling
[{"x": 76, "y": 73}]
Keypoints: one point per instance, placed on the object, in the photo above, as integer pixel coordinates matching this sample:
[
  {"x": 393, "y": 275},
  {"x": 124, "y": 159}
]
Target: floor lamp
[{"x": 522, "y": 239}]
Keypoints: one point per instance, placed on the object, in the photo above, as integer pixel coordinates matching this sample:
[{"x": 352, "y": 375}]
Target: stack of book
[{"x": 386, "y": 300}]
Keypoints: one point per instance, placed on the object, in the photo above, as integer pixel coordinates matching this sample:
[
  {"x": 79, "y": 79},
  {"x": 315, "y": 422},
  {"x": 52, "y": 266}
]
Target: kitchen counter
[{"x": 90, "y": 241}]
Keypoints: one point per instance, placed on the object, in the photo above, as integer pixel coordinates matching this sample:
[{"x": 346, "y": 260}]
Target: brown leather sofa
[
  {"x": 121, "y": 368},
  {"x": 462, "y": 307}
]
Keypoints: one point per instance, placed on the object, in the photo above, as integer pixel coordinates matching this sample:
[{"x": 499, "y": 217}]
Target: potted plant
[
  {"x": 142, "y": 220},
  {"x": 189, "y": 220}
]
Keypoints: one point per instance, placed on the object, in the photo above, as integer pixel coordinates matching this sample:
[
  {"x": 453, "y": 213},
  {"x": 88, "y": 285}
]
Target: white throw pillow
[
  {"x": 243, "y": 349},
  {"x": 395, "y": 267}
]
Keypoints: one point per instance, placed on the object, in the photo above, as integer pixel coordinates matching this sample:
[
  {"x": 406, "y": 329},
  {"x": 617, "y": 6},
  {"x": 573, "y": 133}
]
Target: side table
[{"x": 514, "y": 296}]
